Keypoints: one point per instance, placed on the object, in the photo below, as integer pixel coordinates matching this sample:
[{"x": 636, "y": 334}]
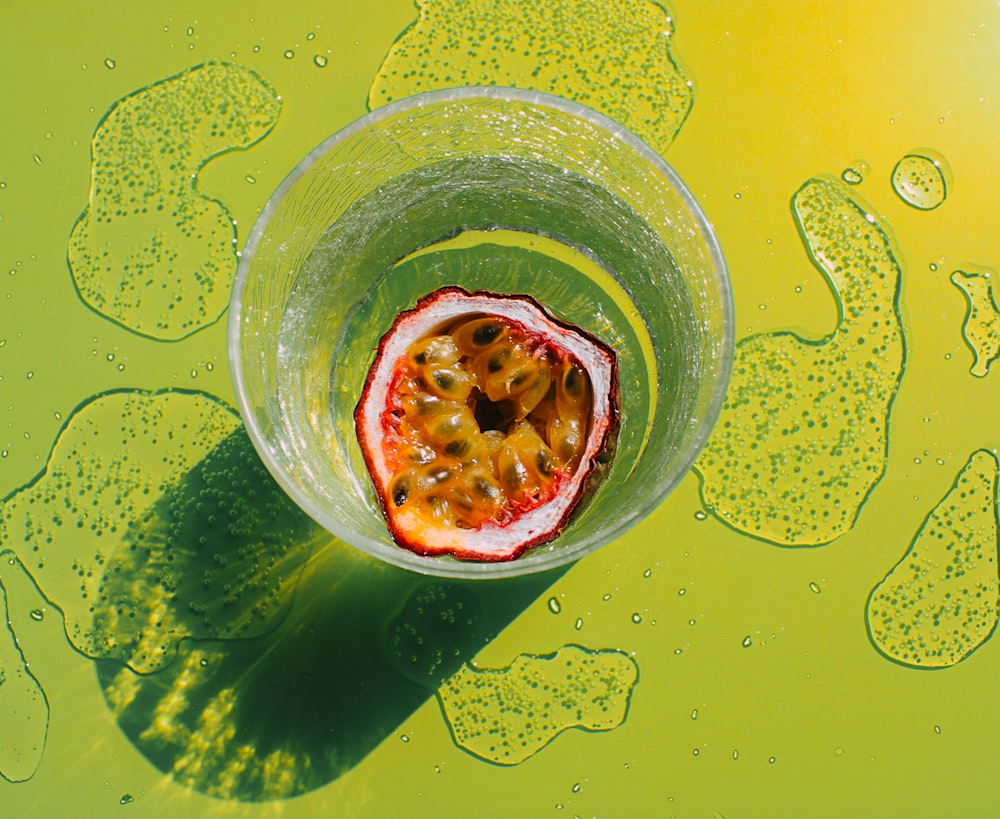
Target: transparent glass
[{"x": 491, "y": 188}]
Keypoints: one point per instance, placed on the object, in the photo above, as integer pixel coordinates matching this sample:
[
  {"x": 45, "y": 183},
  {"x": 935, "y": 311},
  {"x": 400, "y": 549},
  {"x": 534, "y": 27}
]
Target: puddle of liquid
[
  {"x": 921, "y": 179},
  {"x": 154, "y": 521},
  {"x": 22, "y": 703},
  {"x": 981, "y": 329},
  {"x": 802, "y": 437},
  {"x": 505, "y": 715},
  {"x": 610, "y": 55},
  {"x": 150, "y": 252},
  {"x": 939, "y": 603}
]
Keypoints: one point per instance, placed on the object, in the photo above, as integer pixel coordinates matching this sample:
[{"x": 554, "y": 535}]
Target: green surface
[{"x": 772, "y": 681}]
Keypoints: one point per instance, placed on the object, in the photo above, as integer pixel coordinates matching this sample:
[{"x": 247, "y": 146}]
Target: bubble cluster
[
  {"x": 153, "y": 521},
  {"x": 611, "y": 55},
  {"x": 802, "y": 437},
  {"x": 23, "y": 705},
  {"x": 505, "y": 715},
  {"x": 981, "y": 329},
  {"x": 921, "y": 180},
  {"x": 149, "y": 251},
  {"x": 438, "y": 625},
  {"x": 939, "y": 603}
]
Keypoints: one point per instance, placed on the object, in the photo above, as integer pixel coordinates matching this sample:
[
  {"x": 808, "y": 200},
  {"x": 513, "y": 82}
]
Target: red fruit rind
[{"x": 521, "y": 525}]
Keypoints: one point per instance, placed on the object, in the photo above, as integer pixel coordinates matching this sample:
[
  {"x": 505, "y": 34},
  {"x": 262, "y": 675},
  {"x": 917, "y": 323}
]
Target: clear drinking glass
[{"x": 489, "y": 188}]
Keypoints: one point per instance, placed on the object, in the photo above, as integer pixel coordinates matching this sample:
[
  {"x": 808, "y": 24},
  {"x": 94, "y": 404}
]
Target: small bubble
[
  {"x": 554, "y": 605},
  {"x": 736, "y": 753},
  {"x": 738, "y": 195},
  {"x": 694, "y": 713},
  {"x": 647, "y": 573},
  {"x": 190, "y": 31},
  {"x": 37, "y": 614},
  {"x": 30, "y": 374},
  {"x": 209, "y": 366},
  {"x": 636, "y": 618},
  {"x": 311, "y": 35},
  {"x": 37, "y": 158},
  {"x": 701, "y": 515},
  {"x": 937, "y": 729},
  {"x": 814, "y": 587},
  {"x": 578, "y": 624},
  {"x": 110, "y": 356},
  {"x": 932, "y": 266},
  {"x": 109, "y": 63},
  {"x": 577, "y": 788},
  {"x": 251, "y": 180},
  {"x": 194, "y": 373},
  {"x": 747, "y": 642},
  {"x": 606, "y": 597},
  {"x": 404, "y": 738},
  {"x": 771, "y": 760},
  {"x": 203, "y": 662},
  {"x": 320, "y": 61},
  {"x": 681, "y": 592},
  {"x": 839, "y": 750},
  {"x": 126, "y": 799},
  {"x": 256, "y": 48},
  {"x": 289, "y": 53},
  {"x": 695, "y": 752}
]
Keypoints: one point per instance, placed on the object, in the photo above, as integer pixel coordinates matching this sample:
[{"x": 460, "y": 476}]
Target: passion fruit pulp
[{"x": 484, "y": 422}]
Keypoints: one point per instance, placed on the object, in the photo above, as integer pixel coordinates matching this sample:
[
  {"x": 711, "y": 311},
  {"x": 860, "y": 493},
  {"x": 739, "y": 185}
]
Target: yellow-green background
[{"x": 783, "y": 91}]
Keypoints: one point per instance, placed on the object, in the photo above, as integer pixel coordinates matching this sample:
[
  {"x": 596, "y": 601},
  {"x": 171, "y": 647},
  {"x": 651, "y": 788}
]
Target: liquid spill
[
  {"x": 506, "y": 715},
  {"x": 939, "y": 603},
  {"x": 803, "y": 433},
  {"x": 154, "y": 521},
  {"x": 921, "y": 180},
  {"x": 438, "y": 625},
  {"x": 981, "y": 329},
  {"x": 22, "y": 703},
  {"x": 150, "y": 252},
  {"x": 607, "y": 54}
]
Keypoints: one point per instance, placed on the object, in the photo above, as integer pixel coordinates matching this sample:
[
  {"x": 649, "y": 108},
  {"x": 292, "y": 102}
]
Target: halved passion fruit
[{"x": 484, "y": 422}]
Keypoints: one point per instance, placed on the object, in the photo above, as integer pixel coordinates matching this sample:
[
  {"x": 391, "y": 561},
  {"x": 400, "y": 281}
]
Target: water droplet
[
  {"x": 109, "y": 63},
  {"x": 681, "y": 592},
  {"x": 37, "y": 158},
  {"x": 937, "y": 729},
  {"x": 694, "y": 713},
  {"x": 30, "y": 374},
  {"x": 695, "y": 752},
  {"x": 554, "y": 605},
  {"x": 852, "y": 176},
  {"x": 736, "y": 753},
  {"x": 932, "y": 266},
  {"x": 126, "y": 799},
  {"x": 771, "y": 760},
  {"x": 252, "y": 180},
  {"x": 747, "y": 642},
  {"x": 320, "y": 60},
  {"x": 578, "y": 624},
  {"x": 636, "y": 618},
  {"x": 577, "y": 788},
  {"x": 606, "y": 597},
  {"x": 37, "y": 615},
  {"x": 311, "y": 35},
  {"x": 404, "y": 738},
  {"x": 814, "y": 587},
  {"x": 921, "y": 179},
  {"x": 839, "y": 750},
  {"x": 701, "y": 514},
  {"x": 190, "y": 31},
  {"x": 289, "y": 53},
  {"x": 738, "y": 195}
]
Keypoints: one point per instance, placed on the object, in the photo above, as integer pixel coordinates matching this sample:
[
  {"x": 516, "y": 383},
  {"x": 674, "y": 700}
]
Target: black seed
[
  {"x": 544, "y": 463},
  {"x": 572, "y": 381},
  {"x": 444, "y": 379},
  {"x": 485, "y": 334},
  {"x": 485, "y": 488},
  {"x": 399, "y": 493},
  {"x": 519, "y": 379},
  {"x": 497, "y": 361},
  {"x": 420, "y": 358},
  {"x": 457, "y": 447}
]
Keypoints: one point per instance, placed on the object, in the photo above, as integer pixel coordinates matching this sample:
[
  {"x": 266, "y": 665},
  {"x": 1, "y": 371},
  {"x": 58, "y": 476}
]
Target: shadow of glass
[{"x": 272, "y": 715}]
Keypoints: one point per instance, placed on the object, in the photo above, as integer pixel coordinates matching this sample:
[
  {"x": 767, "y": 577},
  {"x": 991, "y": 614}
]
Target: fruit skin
[{"x": 492, "y": 542}]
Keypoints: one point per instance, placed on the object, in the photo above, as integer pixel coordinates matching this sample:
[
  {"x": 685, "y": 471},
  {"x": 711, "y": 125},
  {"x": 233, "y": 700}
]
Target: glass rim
[{"x": 532, "y": 561}]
